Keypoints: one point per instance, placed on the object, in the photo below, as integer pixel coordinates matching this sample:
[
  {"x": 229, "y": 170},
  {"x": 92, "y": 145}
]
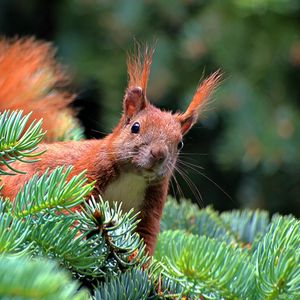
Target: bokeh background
[{"x": 248, "y": 140}]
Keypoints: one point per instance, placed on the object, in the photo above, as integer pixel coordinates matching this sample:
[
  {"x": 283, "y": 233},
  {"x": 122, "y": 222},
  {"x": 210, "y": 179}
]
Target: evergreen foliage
[
  {"x": 277, "y": 260},
  {"x": 263, "y": 262},
  {"x": 23, "y": 278},
  {"x": 18, "y": 142},
  {"x": 248, "y": 224},
  {"x": 189, "y": 218},
  {"x": 205, "y": 266},
  {"x": 237, "y": 225},
  {"x": 131, "y": 285},
  {"x": 51, "y": 191}
]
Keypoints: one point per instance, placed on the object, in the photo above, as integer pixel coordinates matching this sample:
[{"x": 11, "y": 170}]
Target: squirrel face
[{"x": 148, "y": 143}]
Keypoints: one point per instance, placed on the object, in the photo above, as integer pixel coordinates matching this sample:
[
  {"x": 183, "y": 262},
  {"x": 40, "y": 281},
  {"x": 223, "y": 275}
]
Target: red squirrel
[{"x": 133, "y": 164}]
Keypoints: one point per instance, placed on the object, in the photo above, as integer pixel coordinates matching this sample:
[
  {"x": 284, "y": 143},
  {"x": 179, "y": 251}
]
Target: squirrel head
[{"x": 148, "y": 140}]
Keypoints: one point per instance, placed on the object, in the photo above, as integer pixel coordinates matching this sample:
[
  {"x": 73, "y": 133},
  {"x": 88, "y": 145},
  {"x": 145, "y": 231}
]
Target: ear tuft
[
  {"x": 138, "y": 65},
  {"x": 134, "y": 101},
  {"x": 204, "y": 91},
  {"x": 201, "y": 97}
]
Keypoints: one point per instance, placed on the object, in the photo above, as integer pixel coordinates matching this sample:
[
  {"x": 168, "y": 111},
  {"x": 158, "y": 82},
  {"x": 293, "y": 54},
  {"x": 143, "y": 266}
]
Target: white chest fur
[{"x": 129, "y": 189}]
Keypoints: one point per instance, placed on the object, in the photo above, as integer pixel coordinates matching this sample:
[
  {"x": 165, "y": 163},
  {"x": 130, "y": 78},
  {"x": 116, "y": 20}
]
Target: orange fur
[{"x": 29, "y": 80}]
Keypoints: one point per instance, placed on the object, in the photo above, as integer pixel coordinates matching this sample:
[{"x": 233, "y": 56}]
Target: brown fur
[{"x": 149, "y": 154}]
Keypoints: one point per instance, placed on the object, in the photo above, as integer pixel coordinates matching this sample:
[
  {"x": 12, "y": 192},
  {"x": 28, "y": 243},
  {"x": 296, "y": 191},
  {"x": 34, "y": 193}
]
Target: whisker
[
  {"x": 190, "y": 165},
  {"x": 191, "y": 185},
  {"x": 172, "y": 183},
  {"x": 101, "y": 132},
  {"x": 172, "y": 187},
  {"x": 179, "y": 189},
  {"x": 196, "y": 168},
  {"x": 218, "y": 186}
]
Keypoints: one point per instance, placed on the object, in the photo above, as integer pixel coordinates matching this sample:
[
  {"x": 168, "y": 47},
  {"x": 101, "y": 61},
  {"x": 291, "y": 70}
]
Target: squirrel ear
[
  {"x": 201, "y": 97},
  {"x": 187, "y": 122},
  {"x": 138, "y": 66},
  {"x": 134, "y": 101}
]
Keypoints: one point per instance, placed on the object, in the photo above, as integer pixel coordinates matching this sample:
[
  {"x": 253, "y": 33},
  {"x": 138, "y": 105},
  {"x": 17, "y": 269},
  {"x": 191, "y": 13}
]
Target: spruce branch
[
  {"x": 13, "y": 235},
  {"x": 247, "y": 224},
  {"x": 44, "y": 204},
  {"x": 131, "y": 285},
  {"x": 204, "y": 266},
  {"x": 22, "y": 279},
  {"x": 188, "y": 217},
  {"x": 124, "y": 247},
  {"x": 16, "y": 141},
  {"x": 61, "y": 240},
  {"x": 237, "y": 226},
  {"x": 52, "y": 190},
  {"x": 277, "y": 260}
]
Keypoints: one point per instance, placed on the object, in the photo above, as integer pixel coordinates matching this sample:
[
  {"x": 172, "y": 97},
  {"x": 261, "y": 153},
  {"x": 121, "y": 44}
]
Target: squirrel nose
[{"x": 158, "y": 154}]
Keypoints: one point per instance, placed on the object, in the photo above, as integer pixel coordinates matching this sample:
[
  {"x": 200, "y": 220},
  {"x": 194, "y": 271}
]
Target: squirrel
[{"x": 133, "y": 164}]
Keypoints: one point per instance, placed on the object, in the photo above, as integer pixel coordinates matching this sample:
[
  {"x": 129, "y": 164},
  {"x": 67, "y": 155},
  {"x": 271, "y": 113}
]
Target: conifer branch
[
  {"x": 188, "y": 217},
  {"x": 59, "y": 239},
  {"x": 133, "y": 284},
  {"x": 16, "y": 141},
  {"x": 52, "y": 190},
  {"x": 248, "y": 224},
  {"x": 13, "y": 235},
  {"x": 124, "y": 245},
  {"x": 205, "y": 266},
  {"x": 22, "y": 278},
  {"x": 277, "y": 260}
]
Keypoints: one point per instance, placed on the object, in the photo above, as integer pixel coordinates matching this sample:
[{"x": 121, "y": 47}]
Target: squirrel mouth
[{"x": 152, "y": 174}]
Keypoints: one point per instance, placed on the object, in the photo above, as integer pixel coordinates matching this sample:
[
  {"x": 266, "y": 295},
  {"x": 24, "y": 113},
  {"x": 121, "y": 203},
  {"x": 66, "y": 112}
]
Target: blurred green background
[{"x": 248, "y": 142}]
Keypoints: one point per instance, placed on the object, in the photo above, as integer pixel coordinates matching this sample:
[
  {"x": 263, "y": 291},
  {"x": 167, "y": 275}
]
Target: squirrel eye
[
  {"x": 135, "y": 127},
  {"x": 180, "y": 145}
]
